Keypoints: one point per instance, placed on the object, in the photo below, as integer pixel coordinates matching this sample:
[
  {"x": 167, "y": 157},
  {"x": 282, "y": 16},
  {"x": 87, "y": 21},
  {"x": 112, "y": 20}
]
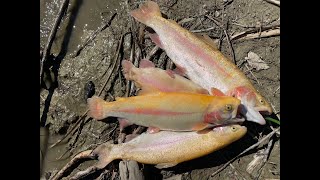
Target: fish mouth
[
  {"x": 253, "y": 113},
  {"x": 263, "y": 110}
]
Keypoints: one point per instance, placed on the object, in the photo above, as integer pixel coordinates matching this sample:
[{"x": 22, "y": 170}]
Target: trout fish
[
  {"x": 175, "y": 111},
  {"x": 151, "y": 79},
  {"x": 202, "y": 63},
  {"x": 167, "y": 148}
]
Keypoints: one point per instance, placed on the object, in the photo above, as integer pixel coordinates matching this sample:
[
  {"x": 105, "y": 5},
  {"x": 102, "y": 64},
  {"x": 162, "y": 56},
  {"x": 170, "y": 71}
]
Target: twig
[
  {"x": 226, "y": 34},
  {"x": 73, "y": 128},
  {"x": 115, "y": 60},
  {"x": 262, "y": 34},
  {"x": 253, "y": 75},
  {"x": 82, "y": 155},
  {"x": 258, "y": 29},
  {"x": 274, "y": 2},
  {"x": 152, "y": 52},
  {"x": 52, "y": 34},
  {"x": 203, "y": 30},
  {"x": 248, "y": 149},
  {"x": 94, "y": 35}
]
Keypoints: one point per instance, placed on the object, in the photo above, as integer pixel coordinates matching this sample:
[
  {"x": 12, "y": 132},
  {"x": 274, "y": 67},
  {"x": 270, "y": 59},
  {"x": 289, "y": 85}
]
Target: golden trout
[
  {"x": 202, "y": 63},
  {"x": 176, "y": 111},
  {"x": 151, "y": 79},
  {"x": 167, "y": 148}
]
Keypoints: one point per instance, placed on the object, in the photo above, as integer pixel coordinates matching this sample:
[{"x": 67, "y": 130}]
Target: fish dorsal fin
[
  {"x": 120, "y": 98},
  {"x": 205, "y": 38},
  {"x": 173, "y": 21},
  {"x": 148, "y": 91},
  {"x": 145, "y": 63},
  {"x": 216, "y": 92},
  {"x": 166, "y": 165}
]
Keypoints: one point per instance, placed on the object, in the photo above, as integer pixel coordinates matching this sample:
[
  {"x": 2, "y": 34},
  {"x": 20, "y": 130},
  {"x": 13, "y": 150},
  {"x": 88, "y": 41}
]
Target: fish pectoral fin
[
  {"x": 166, "y": 165},
  {"x": 216, "y": 92},
  {"x": 155, "y": 38},
  {"x": 152, "y": 130},
  {"x": 145, "y": 63},
  {"x": 200, "y": 126}
]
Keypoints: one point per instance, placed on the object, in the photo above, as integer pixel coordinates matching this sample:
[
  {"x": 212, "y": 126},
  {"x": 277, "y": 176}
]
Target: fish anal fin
[
  {"x": 124, "y": 123},
  {"x": 166, "y": 165},
  {"x": 155, "y": 38},
  {"x": 200, "y": 126}
]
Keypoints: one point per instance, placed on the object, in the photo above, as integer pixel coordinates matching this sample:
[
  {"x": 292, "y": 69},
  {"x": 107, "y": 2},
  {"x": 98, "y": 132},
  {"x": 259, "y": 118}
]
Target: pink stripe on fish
[
  {"x": 153, "y": 112},
  {"x": 199, "y": 51}
]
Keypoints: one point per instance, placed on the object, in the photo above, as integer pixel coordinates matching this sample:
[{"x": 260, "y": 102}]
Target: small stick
[
  {"x": 152, "y": 52},
  {"x": 253, "y": 75},
  {"x": 203, "y": 30},
  {"x": 94, "y": 35},
  {"x": 274, "y": 2},
  {"x": 248, "y": 149},
  {"x": 262, "y": 34},
  {"x": 82, "y": 155},
  {"x": 226, "y": 34},
  {"x": 52, "y": 34},
  {"x": 73, "y": 128},
  {"x": 245, "y": 33}
]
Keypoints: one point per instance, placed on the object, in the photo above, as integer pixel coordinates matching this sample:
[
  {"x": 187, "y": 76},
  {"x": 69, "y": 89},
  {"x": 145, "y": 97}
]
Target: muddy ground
[{"x": 65, "y": 85}]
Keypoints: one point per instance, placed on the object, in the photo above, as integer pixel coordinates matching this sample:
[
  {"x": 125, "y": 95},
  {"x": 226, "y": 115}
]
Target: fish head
[
  {"x": 222, "y": 110},
  {"x": 253, "y": 105},
  {"x": 230, "y": 133}
]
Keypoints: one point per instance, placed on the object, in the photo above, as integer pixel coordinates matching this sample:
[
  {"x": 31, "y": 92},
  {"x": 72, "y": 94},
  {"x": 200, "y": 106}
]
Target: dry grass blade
[
  {"x": 248, "y": 149},
  {"x": 52, "y": 34}
]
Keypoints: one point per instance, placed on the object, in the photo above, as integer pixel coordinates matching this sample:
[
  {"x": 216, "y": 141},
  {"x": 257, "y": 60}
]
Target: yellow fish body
[{"x": 176, "y": 111}]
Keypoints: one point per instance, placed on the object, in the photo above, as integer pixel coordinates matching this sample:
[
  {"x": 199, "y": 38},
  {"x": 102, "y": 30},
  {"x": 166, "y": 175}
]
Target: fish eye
[
  {"x": 233, "y": 128},
  {"x": 261, "y": 101},
  {"x": 228, "y": 107}
]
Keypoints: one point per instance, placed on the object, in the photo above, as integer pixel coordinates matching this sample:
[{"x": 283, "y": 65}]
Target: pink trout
[
  {"x": 176, "y": 111},
  {"x": 167, "y": 148},
  {"x": 202, "y": 63},
  {"x": 151, "y": 79}
]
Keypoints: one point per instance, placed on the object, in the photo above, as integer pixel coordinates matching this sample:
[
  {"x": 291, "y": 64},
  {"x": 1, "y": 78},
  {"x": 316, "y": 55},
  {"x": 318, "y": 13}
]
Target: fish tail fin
[
  {"x": 127, "y": 67},
  {"x": 97, "y": 108},
  {"x": 104, "y": 154},
  {"x": 146, "y": 11}
]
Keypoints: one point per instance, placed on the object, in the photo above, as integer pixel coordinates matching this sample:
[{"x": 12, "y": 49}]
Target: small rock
[{"x": 217, "y": 14}]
